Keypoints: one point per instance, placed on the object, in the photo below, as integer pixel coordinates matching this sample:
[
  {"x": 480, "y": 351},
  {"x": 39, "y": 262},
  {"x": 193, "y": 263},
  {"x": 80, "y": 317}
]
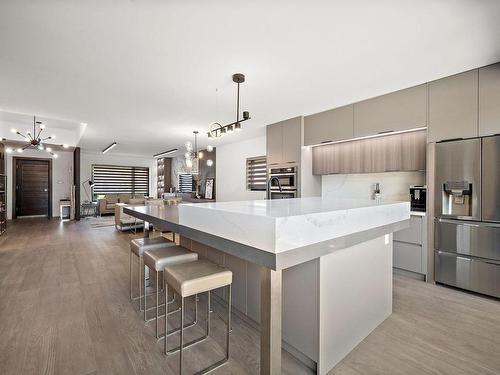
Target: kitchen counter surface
[
  {"x": 286, "y": 224},
  {"x": 280, "y": 233}
]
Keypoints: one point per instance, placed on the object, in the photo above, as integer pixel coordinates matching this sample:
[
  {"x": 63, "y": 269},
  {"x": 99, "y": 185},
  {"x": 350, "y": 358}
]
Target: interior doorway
[{"x": 32, "y": 190}]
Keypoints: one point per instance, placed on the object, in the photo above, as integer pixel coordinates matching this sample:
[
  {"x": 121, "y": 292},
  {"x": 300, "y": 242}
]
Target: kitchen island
[{"x": 314, "y": 272}]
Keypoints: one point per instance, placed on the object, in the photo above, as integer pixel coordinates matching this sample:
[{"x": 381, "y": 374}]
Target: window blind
[
  {"x": 185, "y": 183},
  {"x": 256, "y": 173},
  {"x": 114, "y": 179}
]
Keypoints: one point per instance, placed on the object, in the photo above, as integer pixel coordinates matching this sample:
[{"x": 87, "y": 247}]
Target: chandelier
[
  {"x": 192, "y": 156},
  {"x": 217, "y": 130},
  {"x": 35, "y": 139}
]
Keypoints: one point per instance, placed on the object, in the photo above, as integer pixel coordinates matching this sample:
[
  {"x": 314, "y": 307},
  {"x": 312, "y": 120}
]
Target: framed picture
[{"x": 209, "y": 188}]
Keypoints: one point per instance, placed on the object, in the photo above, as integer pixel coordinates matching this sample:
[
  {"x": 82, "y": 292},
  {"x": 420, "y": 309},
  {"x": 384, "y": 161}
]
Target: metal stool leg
[
  {"x": 181, "y": 338},
  {"x": 158, "y": 303},
  {"x": 166, "y": 321},
  {"x": 228, "y": 321},
  {"x": 139, "y": 276},
  {"x": 130, "y": 273},
  {"x": 145, "y": 308},
  {"x": 208, "y": 313}
]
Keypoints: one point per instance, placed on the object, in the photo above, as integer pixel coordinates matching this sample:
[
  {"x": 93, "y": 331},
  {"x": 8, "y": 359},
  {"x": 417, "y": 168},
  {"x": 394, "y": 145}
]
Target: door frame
[{"x": 14, "y": 179}]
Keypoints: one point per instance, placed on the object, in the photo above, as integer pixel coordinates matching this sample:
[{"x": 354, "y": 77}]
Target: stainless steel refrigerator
[{"x": 467, "y": 207}]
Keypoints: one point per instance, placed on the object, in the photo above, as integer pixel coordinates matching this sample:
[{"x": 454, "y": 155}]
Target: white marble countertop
[{"x": 285, "y": 224}]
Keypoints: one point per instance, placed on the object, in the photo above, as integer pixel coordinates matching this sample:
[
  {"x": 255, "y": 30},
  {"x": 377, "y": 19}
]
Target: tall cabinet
[
  {"x": 163, "y": 176},
  {"x": 284, "y": 140}
]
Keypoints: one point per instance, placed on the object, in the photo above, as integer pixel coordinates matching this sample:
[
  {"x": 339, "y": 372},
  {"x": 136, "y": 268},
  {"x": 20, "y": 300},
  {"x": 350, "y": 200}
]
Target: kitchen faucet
[{"x": 269, "y": 186}]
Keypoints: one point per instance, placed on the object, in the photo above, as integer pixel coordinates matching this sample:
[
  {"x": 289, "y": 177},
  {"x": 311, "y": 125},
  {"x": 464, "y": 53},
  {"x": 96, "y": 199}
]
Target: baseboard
[{"x": 410, "y": 274}]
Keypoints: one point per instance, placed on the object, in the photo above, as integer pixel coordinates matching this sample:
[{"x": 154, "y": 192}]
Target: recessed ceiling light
[
  {"x": 83, "y": 124},
  {"x": 8, "y": 150},
  {"x": 65, "y": 146}
]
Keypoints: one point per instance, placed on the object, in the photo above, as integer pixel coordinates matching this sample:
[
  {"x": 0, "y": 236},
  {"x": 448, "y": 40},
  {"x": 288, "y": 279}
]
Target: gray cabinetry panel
[
  {"x": 284, "y": 141},
  {"x": 407, "y": 256},
  {"x": 491, "y": 179},
  {"x": 413, "y": 234},
  {"x": 292, "y": 140},
  {"x": 489, "y": 100},
  {"x": 453, "y": 107},
  {"x": 329, "y": 126},
  {"x": 400, "y": 110},
  {"x": 274, "y": 144}
]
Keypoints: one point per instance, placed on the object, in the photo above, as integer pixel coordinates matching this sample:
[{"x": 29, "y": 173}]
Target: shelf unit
[
  {"x": 3, "y": 203},
  {"x": 163, "y": 176}
]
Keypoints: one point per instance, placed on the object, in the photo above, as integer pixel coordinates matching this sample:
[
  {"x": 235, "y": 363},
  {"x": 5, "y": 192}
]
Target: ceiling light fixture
[
  {"x": 217, "y": 130},
  {"x": 165, "y": 153},
  {"x": 191, "y": 155},
  {"x": 109, "y": 147},
  {"x": 34, "y": 139}
]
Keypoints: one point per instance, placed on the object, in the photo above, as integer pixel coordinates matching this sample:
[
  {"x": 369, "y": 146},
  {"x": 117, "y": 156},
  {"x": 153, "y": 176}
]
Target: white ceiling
[{"x": 144, "y": 73}]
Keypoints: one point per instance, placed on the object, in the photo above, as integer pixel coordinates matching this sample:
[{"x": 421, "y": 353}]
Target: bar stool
[
  {"x": 193, "y": 278},
  {"x": 157, "y": 260},
  {"x": 137, "y": 247}
]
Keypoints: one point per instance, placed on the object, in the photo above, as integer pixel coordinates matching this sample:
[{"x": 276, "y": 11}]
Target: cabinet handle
[
  {"x": 386, "y": 132},
  {"x": 326, "y": 141}
]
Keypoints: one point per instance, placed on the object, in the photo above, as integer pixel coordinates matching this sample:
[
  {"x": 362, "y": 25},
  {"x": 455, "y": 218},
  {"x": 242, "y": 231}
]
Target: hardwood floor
[{"x": 64, "y": 309}]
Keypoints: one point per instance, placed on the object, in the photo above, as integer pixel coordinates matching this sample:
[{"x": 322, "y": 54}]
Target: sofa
[
  {"x": 106, "y": 204},
  {"x": 127, "y": 222}
]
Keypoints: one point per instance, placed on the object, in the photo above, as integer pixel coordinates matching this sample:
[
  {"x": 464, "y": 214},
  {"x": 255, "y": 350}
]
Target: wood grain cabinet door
[
  {"x": 489, "y": 100},
  {"x": 453, "y": 107}
]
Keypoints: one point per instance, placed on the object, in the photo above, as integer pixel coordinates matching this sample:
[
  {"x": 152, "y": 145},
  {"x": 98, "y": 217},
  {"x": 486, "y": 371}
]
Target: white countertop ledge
[{"x": 286, "y": 224}]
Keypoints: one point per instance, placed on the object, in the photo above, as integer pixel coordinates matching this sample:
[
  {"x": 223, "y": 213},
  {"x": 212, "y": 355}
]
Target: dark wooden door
[{"x": 32, "y": 187}]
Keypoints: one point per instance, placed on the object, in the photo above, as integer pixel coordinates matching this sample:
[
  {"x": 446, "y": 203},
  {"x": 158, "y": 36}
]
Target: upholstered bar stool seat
[
  {"x": 157, "y": 260},
  {"x": 138, "y": 247},
  {"x": 197, "y": 277},
  {"x": 188, "y": 279}
]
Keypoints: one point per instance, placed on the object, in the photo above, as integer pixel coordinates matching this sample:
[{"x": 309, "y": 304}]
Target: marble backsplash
[{"x": 393, "y": 185}]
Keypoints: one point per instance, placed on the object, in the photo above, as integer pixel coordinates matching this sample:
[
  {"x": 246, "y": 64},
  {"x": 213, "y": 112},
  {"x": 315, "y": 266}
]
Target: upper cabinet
[
  {"x": 401, "y": 110},
  {"x": 284, "y": 141},
  {"x": 391, "y": 153},
  {"x": 329, "y": 126},
  {"x": 489, "y": 100},
  {"x": 453, "y": 107}
]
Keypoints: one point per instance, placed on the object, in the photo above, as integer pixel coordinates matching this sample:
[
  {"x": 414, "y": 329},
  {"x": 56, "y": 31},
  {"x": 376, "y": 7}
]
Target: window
[
  {"x": 185, "y": 183},
  {"x": 256, "y": 173},
  {"x": 114, "y": 179}
]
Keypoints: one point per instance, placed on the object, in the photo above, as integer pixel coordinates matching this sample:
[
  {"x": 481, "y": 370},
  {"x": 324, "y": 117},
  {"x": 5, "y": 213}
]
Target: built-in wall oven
[
  {"x": 283, "y": 182},
  {"x": 467, "y": 207}
]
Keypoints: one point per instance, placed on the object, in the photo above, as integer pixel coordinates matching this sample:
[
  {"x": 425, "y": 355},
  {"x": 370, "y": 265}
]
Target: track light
[
  {"x": 109, "y": 147},
  {"x": 165, "y": 153}
]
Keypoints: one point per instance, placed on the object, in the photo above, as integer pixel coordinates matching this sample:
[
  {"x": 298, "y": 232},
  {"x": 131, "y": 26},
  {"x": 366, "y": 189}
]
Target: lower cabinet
[{"x": 410, "y": 249}]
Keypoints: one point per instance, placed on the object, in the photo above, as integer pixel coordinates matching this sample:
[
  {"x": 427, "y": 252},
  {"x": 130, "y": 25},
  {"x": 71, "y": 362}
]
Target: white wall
[
  {"x": 393, "y": 185},
  {"x": 87, "y": 159},
  {"x": 62, "y": 177},
  {"x": 231, "y": 169}
]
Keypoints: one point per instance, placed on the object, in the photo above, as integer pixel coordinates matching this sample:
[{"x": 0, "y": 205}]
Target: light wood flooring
[{"x": 64, "y": 309}]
